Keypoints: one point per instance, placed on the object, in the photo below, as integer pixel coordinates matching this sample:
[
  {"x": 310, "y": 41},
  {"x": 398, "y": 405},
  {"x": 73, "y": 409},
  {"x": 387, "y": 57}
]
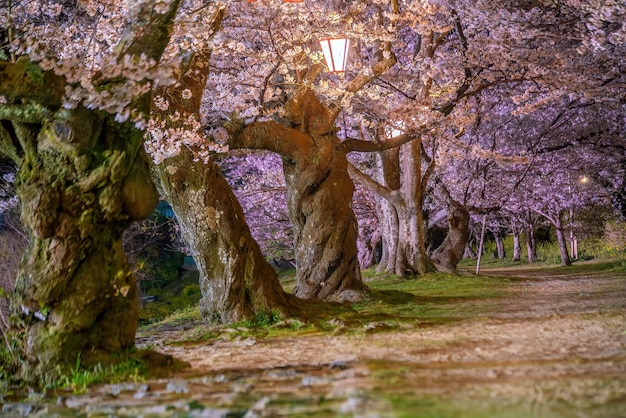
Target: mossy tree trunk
[
  {"x": 75, "y": 294},
  {"x": 82, "y": 179},
  {"x": 319, "y": 196}
]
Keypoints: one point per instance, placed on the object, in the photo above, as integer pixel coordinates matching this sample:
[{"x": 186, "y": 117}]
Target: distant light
[
  {"x": 336, "y": 53},
  {"x": 395, "y": 129},
  {"x": 584, "y": 179}
]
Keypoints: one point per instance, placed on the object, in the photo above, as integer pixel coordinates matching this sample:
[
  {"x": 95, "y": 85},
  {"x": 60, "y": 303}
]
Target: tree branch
[
  {"x": 270, "y": 136},
  {"x": 7, "y": 148},
  {"x": 370, "y": 183},
  {"x": 25, "y": 113},
  {"x": 26, "y": 80},
  {"x": 358, "y": 145},
  {"x": 150, "y": 34}
]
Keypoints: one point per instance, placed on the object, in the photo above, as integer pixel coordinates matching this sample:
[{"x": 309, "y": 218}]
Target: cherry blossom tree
[
  {"x": 445, "y": 59},
  {"x": 70, "y": 111},
  {"x": 259, "y": 185},
  {"x": 314, "y": 158},
  {"x": 76, "y": 88},
  {"x": 235, "y": 280}
]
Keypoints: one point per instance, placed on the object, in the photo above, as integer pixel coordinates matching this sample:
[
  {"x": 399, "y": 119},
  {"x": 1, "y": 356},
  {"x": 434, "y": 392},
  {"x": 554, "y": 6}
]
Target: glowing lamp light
[
  {"x": 395, "y": 130},
  {"x": 335, "y": 53}
]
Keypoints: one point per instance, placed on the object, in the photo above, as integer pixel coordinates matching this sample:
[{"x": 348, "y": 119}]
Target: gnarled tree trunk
[
  {"x": 75, "y": 294},
  {"x": 235, "y": 279},
  {"x": 82, "y": 179},
  {"x": 449, "y": 253},
  {"x": 319, "y": 196}
]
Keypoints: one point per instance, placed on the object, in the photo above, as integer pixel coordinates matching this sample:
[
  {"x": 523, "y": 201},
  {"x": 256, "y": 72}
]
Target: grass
[
  {"x": 129, "y": 369},
  {"x": 429, "y": 299},
  {"x": 548, "y": 252},
  {"x": 418, "y": 301},
  {"x": 179, "y": 296},
  {"x": 392, "y": 302}
]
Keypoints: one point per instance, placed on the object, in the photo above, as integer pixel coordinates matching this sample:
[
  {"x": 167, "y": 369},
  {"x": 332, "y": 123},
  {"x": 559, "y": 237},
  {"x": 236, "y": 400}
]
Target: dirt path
[{"x": 555, "y": 348}]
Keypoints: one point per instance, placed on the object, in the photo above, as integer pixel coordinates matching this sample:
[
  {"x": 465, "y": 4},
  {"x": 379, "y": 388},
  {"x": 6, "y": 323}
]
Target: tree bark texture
[
  {"x": 235, "y": 279},
  {"x": 83, "y": 178},
  {"x": 410, "y": 211},
  {"x": 450, "y": 252},
  {"x": 404, "y": 210},
  {"x": 500, "y": 250},
  {"x": 531, "y": 246},
  {"x": 562, "y": 242},
  {"x": 319, "y": 196},
  {"x": 75, "y": 294},
  {"x": 517, "y": 249},
  {"x": 392, "y": 260}
]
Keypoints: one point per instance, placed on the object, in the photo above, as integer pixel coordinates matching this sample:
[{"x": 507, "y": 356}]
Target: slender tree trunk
[
  {"x": 481, "y": 244},
  {"x": 531, "y": 247},
  {"x": 499, "y": 246},
  {"x": 468, "y": 251},
  {"x": 235, "y": 279},
  {"x": 562, "y": 242},
  {"x": 517, "y": 249},
  {"x": 75, "y": 294}
]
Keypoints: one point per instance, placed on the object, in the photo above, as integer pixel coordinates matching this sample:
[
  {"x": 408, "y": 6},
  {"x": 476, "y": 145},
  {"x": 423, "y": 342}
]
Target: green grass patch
[
  {"x": 391, "y": 303},
  {"x": 187, "y": 315},
  {"x": 171, "y": 302},
  {"x": 429, "y": 299},
  {"x": 129, "y": 369}
]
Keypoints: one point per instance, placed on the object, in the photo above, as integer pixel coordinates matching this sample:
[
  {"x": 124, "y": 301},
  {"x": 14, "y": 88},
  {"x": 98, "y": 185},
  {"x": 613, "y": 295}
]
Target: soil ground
[{"x": 555, "y": 347}]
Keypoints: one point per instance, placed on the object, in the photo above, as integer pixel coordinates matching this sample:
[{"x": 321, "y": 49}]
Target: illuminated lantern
[
  {"x": 395, "y": 129},
  {"x": 336, "y": 53}
]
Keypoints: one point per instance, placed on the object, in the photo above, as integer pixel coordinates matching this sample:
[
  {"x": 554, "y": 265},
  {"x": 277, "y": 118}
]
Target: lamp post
[{"x": 335, "y": 53}]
